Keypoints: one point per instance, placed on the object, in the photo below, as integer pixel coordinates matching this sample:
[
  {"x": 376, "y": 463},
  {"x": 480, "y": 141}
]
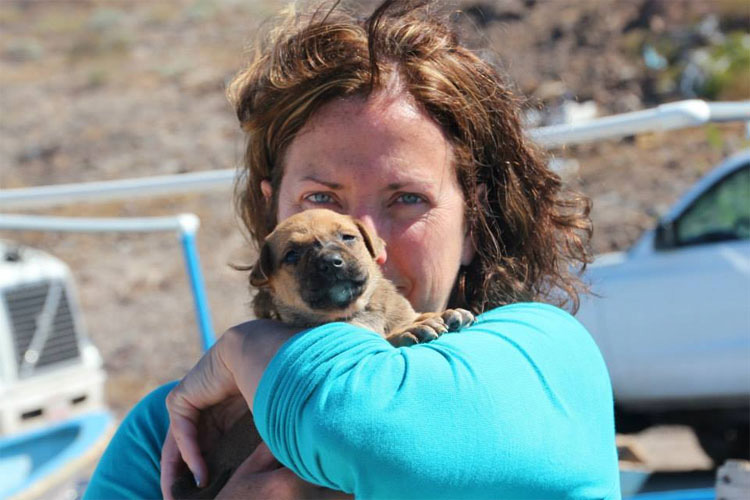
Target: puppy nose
[{"x": 330, "y": 261}]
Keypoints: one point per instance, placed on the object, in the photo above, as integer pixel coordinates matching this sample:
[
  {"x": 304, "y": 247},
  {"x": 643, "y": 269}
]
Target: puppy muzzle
[{"x": 332, "y": 279}]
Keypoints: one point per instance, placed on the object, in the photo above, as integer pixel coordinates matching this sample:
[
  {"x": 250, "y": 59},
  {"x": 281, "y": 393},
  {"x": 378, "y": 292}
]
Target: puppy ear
[
  {"x": 374, "y": 244},
  {"x": 263, "y": 268}
]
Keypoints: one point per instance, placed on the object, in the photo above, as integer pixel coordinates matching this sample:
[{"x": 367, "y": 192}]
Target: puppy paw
[
  {"x": 455, "y": 319},
  {"x": 429, "y": 326},
  {"x": 426, "y": 327}
]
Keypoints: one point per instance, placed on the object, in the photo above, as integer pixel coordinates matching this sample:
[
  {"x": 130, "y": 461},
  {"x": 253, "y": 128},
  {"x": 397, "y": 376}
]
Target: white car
[{"x": 672, "y": 316}]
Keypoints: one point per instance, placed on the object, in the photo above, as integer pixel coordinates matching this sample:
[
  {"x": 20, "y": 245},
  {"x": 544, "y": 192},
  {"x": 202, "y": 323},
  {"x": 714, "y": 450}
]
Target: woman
[{"x": 391, "y": 120}]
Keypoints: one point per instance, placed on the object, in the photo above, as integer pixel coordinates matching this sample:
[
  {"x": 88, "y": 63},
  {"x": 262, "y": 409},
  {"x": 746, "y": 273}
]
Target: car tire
[
  {"x": 723, "y": 443},
  {"x": 628, "y": 422}
]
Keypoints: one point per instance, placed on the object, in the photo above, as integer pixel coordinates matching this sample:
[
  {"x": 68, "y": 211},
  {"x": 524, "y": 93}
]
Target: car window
[{"x": 720, "y": 214}]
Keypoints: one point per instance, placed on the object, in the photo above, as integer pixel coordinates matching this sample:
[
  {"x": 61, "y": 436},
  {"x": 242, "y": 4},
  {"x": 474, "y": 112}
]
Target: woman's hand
[
  {"x": 214, "y": 423},
  {"x": 231, "y": 369},
  {"x": 197, "y": 413},
  {"x": 262, "y": 476}
]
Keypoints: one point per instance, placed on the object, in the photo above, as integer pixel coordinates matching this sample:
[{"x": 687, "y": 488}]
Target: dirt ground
[{"x": 97, "y": 90}]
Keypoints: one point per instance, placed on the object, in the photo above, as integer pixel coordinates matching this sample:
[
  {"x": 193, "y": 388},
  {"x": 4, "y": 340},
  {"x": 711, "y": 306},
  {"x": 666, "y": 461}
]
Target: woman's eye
[
  {"x": 291, "y": 257},
  {"x": 409, "y": 199},
  {"x": 319, "y": 198}
]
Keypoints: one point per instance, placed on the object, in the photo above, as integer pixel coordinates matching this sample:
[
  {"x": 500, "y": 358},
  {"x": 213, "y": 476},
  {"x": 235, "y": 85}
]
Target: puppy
[{"x": 317, "y": 267}]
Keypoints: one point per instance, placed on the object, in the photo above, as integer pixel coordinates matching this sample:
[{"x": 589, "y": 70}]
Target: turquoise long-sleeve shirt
[{"x": 519, "y": 405}]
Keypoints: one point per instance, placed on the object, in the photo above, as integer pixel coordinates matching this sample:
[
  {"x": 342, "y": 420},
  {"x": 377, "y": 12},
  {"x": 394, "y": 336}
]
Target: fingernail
[{"x": 197, "y": 479}]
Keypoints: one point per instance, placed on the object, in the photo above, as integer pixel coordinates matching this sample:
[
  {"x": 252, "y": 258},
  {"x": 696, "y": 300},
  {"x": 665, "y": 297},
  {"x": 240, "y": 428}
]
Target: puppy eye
[
  {"x": 348, "y": 237},
  {"x": 291, "y": 257}
]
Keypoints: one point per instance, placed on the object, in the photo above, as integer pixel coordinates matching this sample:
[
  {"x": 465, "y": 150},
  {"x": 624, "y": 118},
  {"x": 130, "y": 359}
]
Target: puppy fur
[{"x": 316, "y": 267}]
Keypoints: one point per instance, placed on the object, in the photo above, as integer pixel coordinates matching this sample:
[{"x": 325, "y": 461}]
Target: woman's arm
[
  {"x": 518, "y": 404},
  {"x": 129, "y": 467}
]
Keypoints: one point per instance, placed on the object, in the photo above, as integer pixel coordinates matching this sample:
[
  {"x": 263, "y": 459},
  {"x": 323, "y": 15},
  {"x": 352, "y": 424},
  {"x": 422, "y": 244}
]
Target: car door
[{"x": 681, "y": 314}]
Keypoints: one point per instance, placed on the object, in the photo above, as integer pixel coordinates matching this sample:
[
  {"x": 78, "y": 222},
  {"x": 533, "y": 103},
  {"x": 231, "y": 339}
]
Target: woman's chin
[
  {"x": 419, "y": 302},
  {"x": 405, "y": 291}
]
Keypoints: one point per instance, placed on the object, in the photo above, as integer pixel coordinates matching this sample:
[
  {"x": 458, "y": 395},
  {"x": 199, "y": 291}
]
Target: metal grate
[{"x": 43, "y": 328}]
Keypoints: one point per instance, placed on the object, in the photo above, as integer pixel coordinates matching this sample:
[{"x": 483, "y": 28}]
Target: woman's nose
[
  {"x": 369, "y": 223},
  {"x": 377, "y": 228}
]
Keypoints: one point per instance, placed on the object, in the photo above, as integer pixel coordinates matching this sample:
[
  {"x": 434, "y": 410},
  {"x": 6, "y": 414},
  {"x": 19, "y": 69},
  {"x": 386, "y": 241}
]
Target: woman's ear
[
  {"x": 267, "y": 190},
  {"x": 468, "y": 249},
  {"x": 263, "y": 268},
  {"x": 374, "y": 244}
]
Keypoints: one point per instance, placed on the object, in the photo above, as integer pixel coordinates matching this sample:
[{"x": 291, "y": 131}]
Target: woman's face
[{"x": 388, "y": 164}]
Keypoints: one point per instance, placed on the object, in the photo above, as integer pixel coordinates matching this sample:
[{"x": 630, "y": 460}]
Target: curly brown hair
[{"x": 530, "y": 233}]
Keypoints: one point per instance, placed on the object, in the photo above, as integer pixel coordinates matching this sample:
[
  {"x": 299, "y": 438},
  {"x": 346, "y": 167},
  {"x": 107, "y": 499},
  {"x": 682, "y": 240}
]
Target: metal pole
[
  {"x": 188, "y": 226},
  {"x": 64, "y": 194}
]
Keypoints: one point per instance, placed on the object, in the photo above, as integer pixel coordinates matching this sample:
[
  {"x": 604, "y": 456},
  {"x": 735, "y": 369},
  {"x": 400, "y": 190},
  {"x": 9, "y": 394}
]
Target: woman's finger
[
  {"x": 171, "y": 465},
  {"x": 183, "y": 424},
  {"x": 208, "y": 383}
]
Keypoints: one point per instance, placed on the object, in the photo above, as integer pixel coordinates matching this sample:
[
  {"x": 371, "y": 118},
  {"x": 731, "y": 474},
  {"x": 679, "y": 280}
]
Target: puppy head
[{"x": 319, "y": 262}]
